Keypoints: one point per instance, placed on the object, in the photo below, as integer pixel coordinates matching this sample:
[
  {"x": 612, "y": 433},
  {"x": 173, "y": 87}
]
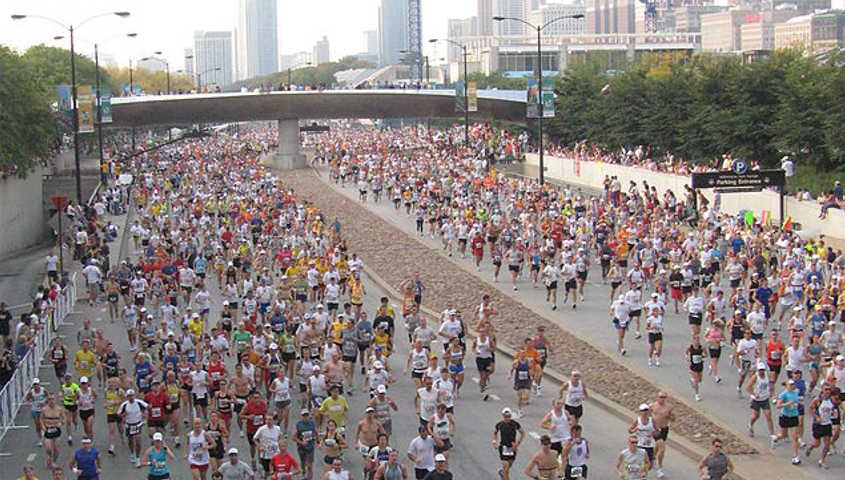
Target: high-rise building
[
  {"x": 566, "y": 26},
  {"x": 257, "y": 38},
  {"x": 213, "y": 51},
  {"x": 615, "y": 16},
  {"x": 371, "y": 42},
  {"x": 514, "y": 9},
  {"x": 393, "y": 30},
  {"x": 484, "y": 16},
  {"x": 321, "y": 52},
  {"x": 458, "y": 30},
  {"x": 189, "y": 61},
  {"x": 722, "y": 31},
  {"x": 295, "y": 60}
]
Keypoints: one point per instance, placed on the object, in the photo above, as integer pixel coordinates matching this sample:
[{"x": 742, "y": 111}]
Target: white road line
[
  {"x": 534, "y": 435},
  {"x": 31, "y": 457},
  {"x": 495, "y": 397},
  {"x": 475, "y": 379}
]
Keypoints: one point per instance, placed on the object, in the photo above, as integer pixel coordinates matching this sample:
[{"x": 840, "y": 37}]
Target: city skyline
[{"x": 173, "y": 31}]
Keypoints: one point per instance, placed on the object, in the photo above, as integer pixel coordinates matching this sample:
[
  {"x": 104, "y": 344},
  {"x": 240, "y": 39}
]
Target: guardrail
[{"x": 13, "y": 393}]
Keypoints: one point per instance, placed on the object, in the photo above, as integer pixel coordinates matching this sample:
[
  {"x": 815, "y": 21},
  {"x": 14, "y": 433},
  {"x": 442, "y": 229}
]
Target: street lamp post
[
  {"x": 199, "y": 77},
  {"x": 539, "y": 29},
  {"x": 425, "y": 58},
  {"x": 99, "y": 101},
  {"x": 70, "y": 30},
  {"x": 166, "y": 66},
  {"x": 466, "y": 85}
]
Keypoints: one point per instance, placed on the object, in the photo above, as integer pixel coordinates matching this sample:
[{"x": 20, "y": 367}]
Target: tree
[{"x": 29, "y": 126}]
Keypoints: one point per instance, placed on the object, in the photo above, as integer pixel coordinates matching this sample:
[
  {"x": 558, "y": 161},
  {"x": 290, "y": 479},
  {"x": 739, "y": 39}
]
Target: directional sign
[
  {"x": 59, "y": 202},
  {"x": 752, "y": 181},
  {"x": 739, "y": 166}
]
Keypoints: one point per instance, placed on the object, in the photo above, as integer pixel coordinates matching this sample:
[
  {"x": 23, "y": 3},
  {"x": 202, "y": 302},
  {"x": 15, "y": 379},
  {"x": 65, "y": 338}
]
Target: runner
[
  {"x": 505, "y": 441},
  {"x": 663, "y": 414},
  {"x": 52, "y": 417},
  {"x": 283, "y": 465},
  {"x": 37, "y": 398},
  {"x": 196, "y": 451},
  {"x": 633, "y": 463},
  {"x": 573, "y": 393},
  {"x": 825, "y": 413},
  {"x": 760, "y": 391},
  {"x": 156, "y": 458},
  {"x": 787, "y": 402},
  {"x": 545, "y": 461},
  {"x": 576, "y": 451},
  {"x": 718, "y": 465},
  {"x": 235, "y": 469}
]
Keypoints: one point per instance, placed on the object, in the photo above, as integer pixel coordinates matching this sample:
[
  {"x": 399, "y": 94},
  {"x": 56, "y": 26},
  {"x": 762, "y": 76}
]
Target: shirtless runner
[
  {"x": 52, "y": 417},
  {"x": 662, "y": 414},
  {"x": 366, "y": 436},
  {"x": 545, "y": 461},
  {"x": 240, "y": 386}
]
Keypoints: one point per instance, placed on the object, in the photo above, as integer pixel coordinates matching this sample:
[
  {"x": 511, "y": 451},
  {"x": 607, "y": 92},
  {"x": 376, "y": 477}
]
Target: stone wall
[{"x": 21, "y": 220}]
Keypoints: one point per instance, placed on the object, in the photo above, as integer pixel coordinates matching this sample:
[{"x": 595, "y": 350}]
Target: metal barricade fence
[{"x": 13, "y": 394}]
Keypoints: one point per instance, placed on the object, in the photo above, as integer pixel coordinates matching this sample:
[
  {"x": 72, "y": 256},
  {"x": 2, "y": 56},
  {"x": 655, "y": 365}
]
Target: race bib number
[
  {"x": 134, "y": 429},
  {"x": 258, "y": 420},
  {"x": 507, "y": 451},
  {"x": 696, "y": 359},
  {"x": 576, "y": 471},
  {"x": 155, "y": 412}
]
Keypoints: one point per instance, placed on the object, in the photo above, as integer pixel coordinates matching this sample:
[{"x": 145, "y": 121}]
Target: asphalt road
[
  {"x": 591, "y": 323},
  {"x": 472, "y": 458}
]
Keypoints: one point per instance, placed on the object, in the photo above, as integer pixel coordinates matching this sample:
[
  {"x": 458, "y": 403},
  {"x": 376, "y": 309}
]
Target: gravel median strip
[{"x": 395, "y": 255}]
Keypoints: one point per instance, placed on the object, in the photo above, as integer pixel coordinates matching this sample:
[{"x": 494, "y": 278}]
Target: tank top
[
  {"x": 282, "y": 390},
  {"x": 343, "y": 475},
  {"x": 522, "y": 374},
  {"x": 428, "y": 402},
  {"x": 392, "y": 473},
  {"x": 197, "y": 445},
  {"x": 645, "y": 433},
  {"x": 696, "y": 355},
  {"x": 419, "y": 360},
  {"x": 86, "y": 400},
  {"x": 825, "y": 412},
  {"x": 574, "y": 395},
  {"x": 761, "y": 388},
  {"x": 158, "y": 463},
  {"x": 38, "y": 399},
  {"x": 224, "y": 404},
  {"x": 112, "y": 402},
  {"x": 382, "y": 408},
  {"x": 173, "y": 393},
  {"x": 441, "y": 427},
  {"x": 560, "y": 427},
  {"x": 577, "y": 456},
  {"x": 483, "y": 349},
  {"x": 633, "y": 463}
]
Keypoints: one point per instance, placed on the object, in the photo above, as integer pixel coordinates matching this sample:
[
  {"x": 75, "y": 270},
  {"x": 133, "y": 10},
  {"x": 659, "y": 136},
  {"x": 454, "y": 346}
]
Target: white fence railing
[{"x": 13, "y": 394}]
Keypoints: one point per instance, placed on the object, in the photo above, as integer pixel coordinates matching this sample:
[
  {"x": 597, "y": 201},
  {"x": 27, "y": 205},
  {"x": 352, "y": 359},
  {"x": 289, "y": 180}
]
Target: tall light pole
[
  {"x": 466, "y": 85},
  {"x": 539, "y": 29},
  {"x": 425, "y": 57},
  {"x": 300, "y": 64},
  {"x": 70, "y": 30},
  {"x": 103, "y": 176}
]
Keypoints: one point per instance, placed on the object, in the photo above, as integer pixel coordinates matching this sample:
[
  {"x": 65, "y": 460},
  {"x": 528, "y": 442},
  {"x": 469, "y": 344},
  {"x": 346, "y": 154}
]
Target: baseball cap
[
  {"x": 36, "y": 381},
  {"x": 158, "y": 437},
  {"x": 225, "y": 303},
  {"x": 839, "y": 358},
  {"x": 304, "y": 411},
  {"x": 439, "y": 458},
  {"x": 130, "y": 392},
  {"x": 761, "y": 366},
  {"x": 506, "y": 411},
  {"x": 233, "y": 451},
  {"x": 378, "y": 364},
  {"x": 370, "y": 410},
  {"x": 83, "y": 380},
  {"x": 86, "y": 440},
  {"x": 381, "y": 389},
  {"x": 273, "y": 346},
  {"x": 643, "y": 407}
]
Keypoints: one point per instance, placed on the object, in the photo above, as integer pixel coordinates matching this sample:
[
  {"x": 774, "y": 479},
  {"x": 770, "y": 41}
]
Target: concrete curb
[{"x": 746, "y": 467}]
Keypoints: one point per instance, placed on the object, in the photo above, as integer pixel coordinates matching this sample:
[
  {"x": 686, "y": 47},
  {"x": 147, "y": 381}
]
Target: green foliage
[
  {"x": 52, "y": 64},
  {"x": 702, "y": 107},
  {"x": 28, "y": 124},
  {"x": 496, "y": 80}
]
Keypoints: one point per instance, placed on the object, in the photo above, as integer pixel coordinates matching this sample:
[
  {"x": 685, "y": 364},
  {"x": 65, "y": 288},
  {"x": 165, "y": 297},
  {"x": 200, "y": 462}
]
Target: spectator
[
  {"x": 8, "y": 362},
  {"x": 5, "y": 322},
  {"x": 788, "y": 167}
]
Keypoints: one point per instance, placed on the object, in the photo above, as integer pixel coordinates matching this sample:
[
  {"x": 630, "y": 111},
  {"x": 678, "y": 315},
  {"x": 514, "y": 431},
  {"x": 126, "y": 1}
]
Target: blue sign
[{"x": 739, "y": 167}]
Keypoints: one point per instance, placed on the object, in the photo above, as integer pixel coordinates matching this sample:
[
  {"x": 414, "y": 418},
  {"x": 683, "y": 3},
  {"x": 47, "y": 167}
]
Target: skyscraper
[
  {"x": 321, "y": 52},
  {"x": 189, "y": 61},
  {"x": 511, "y": 8},
  {"x": 393, "y": 30},
  {"x": 485, "y": 17},
  {"x": 213, "y": 50},
  {"x": 256, "y": 38}
]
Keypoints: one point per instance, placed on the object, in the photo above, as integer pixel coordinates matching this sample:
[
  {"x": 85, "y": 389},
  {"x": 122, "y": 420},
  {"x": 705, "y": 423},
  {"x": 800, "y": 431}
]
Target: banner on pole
[
  {"x": 105, "y": 104},
  {"x": 64, "y": 92},
  {"x": 460, "y": 107},
  {"x": 85, "y": 101},
  {"x": 472, "y": 93},
  {"x": 532, "y": 107}
]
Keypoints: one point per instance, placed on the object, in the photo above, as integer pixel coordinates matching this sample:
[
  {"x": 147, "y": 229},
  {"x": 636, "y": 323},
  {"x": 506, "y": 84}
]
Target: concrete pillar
[{"x": 287, "y": 156}]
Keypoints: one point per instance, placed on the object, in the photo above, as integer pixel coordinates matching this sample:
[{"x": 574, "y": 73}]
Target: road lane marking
[
  {"x": 495, "y": 397},
  {"x": 475, "y": 379},
  {"x": 30, "y": 458},
  {"x": 534, "y": 435}
]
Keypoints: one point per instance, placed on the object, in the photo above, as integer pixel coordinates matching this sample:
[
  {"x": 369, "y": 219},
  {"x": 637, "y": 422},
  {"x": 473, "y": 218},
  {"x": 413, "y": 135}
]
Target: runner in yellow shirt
[{"x": 85, "y": 360}]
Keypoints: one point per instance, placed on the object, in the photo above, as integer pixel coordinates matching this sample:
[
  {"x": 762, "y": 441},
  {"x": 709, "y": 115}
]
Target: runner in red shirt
[
  {"x": 478, "y": 248},
  {"x": 253, "y": 413},
  {"x": 157, "y": 399},
  {"x": 283, "y": 466}
]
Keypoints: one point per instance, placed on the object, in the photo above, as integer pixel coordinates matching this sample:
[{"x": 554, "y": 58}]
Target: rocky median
[{"x": 395, "y": 255}]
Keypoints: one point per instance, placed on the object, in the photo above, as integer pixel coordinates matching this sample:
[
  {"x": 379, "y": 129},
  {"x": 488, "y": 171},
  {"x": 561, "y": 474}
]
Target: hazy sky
[{"x": 169, "y": 25}]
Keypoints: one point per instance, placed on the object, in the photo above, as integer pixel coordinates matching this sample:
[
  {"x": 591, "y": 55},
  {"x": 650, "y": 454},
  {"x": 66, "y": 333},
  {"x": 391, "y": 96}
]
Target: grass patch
[{"x": 810, "y": 177}]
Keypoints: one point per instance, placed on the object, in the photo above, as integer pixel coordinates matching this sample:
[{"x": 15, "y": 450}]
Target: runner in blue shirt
[
  {"x": 86, "y": 461},
  {"x": 788, "y": 421}
]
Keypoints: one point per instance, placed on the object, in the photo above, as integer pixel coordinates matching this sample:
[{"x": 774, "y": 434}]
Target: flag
[
  {"x": 787, "y": 225},
  {"x": 749, "y": 217},
  {"x": 767, "y": 217}
]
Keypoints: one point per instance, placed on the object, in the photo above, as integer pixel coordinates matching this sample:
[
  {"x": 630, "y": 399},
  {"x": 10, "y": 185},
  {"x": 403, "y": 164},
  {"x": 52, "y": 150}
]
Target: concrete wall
[
  {"x": 21, "y": 220},
  {"x": 591, "y": 175}
]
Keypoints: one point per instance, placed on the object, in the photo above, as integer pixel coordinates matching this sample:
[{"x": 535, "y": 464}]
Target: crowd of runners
[
  {"x": 772, "y": 301},
  {"x": 292, "y": 332}
]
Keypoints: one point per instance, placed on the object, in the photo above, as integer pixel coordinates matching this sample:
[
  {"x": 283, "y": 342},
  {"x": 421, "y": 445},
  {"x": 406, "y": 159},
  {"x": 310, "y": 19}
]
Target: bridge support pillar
[{"x": 287, "y": 156}]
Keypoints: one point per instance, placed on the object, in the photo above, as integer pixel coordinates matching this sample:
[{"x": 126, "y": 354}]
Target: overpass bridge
[{"x": 287, "y": 108}]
